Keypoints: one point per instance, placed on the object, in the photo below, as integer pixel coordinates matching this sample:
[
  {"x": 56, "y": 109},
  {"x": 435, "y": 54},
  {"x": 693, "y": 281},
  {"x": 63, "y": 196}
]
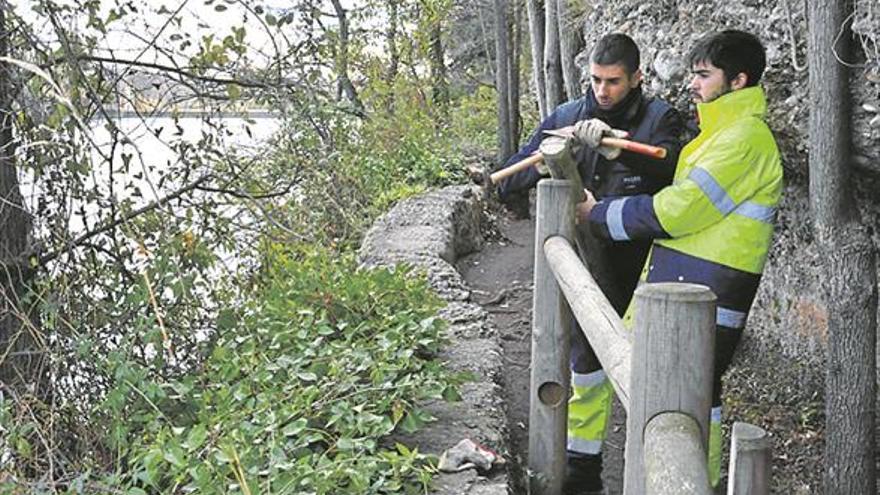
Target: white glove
[{"x": 590, "y": 132}]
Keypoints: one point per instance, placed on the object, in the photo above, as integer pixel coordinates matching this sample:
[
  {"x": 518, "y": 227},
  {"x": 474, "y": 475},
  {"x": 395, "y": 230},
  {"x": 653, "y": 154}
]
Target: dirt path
[{"x": 501, "y": 278}]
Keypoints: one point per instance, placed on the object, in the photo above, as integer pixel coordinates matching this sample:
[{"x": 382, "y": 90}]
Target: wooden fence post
[
  {"x": 551, "y": 322},
  {"x": 749, "y": 472},
  {"x": 672, "y": 363}
]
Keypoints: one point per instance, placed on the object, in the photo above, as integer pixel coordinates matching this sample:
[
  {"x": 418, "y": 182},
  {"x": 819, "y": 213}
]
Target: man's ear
[
  {"x": 635, "y": 79},
  {"x": 740, "y": 81}
]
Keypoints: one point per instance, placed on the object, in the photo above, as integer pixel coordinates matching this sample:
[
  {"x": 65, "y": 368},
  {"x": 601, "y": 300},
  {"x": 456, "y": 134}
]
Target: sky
[{"x": 198, "y": 18}]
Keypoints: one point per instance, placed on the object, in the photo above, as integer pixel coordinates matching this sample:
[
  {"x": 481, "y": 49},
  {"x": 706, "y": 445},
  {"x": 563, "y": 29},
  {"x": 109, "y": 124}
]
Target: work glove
[{"x": 590, "y": 133}]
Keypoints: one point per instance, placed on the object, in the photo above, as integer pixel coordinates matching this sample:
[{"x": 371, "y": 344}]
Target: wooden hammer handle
[
  {"x": 615, "y": 142},
  {"x": 635, "y": 147},
  {"x": 516, "y": 167}
]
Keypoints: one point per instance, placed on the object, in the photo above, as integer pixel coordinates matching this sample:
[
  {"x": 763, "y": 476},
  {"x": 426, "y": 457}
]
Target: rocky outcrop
[
  {"x": 787, "y": 326},
  {"x": 431, "y": 232},
  {"x": 788, "y": 312}
]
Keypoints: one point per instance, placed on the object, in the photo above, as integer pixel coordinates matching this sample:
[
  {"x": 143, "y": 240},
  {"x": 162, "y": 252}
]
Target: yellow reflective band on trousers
[
  {"x": 715, "y": 441},
  {"x": 588, "y": 411}
]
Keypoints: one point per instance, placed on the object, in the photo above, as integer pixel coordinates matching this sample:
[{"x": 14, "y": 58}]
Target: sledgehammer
[{"x": 536, "y": 158}]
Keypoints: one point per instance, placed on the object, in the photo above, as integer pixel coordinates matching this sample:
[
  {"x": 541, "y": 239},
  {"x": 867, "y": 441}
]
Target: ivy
[{"x": 298, "y": 392}]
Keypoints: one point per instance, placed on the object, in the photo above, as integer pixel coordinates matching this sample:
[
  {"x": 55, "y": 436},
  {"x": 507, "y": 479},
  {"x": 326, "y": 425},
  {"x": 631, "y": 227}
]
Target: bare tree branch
[
  {"x": 245, "y": 83},
  {"x": 116, "y": 222}
]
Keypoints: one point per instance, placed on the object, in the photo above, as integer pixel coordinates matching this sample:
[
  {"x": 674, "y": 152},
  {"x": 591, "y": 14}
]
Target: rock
[
  {"x": 668, "y": 65},
  {"x": 444, "y": 223},
  {"x": 875, "y": 122},
  {"x": 774, "y": 54},
  {"x": 868, "y": 107}
]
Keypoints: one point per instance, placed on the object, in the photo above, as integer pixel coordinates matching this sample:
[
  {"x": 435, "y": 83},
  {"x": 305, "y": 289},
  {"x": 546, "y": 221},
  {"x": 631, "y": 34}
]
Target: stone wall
[{"x": 430, "y": 232}]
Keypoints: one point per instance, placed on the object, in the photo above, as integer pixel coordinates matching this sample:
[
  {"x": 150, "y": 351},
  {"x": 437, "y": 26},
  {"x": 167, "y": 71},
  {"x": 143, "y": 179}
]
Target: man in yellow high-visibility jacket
[{"x": 713, "y": 226}]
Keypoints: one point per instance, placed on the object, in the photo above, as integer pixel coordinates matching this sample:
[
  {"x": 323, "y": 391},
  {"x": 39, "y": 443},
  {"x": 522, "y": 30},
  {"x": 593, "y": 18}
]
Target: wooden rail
[
  {"x": 662, "y": 372},
  {"x": 673, "y": 450},
  {"x": 598, "y": 320}
]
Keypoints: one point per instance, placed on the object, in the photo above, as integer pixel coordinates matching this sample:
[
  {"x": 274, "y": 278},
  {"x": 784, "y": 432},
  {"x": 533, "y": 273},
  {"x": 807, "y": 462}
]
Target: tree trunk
[
  {"x": 571, "y": 42},
  {"x": 536, "y": 34},
  {"x": 502, "y": 82},
  {"x": 830, "y": 126},
  {"x": 393, "y": 53},
  {"x": 20, "y": 365},
  {"x": 850, "y": 283},
  {"x": 440, "y": 85},
  {"x": 344, "y": 85},
  {"x": 850, "y": 292},
  {"x": 490, "y": 68},
  {"x": 552, "y": 70},
  {"x": 513, "y": 69}
]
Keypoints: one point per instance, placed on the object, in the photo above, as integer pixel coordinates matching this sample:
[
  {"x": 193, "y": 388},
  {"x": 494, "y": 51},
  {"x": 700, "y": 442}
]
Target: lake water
[{"x": 148, "y": 148}]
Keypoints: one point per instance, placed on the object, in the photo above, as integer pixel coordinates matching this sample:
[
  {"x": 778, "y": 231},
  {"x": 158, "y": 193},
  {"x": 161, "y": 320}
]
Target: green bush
[
  {"x": 374, "y": 163},
  {"x": 298, "y": 392},
  {"x": 474, "y": 119}
]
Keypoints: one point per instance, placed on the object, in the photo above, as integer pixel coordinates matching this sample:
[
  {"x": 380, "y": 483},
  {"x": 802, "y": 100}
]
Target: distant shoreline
[{"x": 253, "y": 114}]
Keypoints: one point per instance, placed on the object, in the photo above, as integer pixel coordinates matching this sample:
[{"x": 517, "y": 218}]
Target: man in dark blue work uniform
[{"x": 613, "y": 104}]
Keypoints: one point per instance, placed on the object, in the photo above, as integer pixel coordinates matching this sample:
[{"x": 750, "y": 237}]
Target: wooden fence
[{"x": 661, "y": 371}]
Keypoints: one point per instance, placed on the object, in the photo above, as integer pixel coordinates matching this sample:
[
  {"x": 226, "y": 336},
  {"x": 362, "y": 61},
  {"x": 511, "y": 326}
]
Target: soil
[
  {"x": 500, "y": 276},
  {"x": 762, "y": 387}
]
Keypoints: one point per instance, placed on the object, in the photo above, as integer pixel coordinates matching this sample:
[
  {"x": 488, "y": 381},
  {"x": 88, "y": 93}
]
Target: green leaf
[
  {"x": 226, "y": 319},
  {"x": 222, "y": 456},
  {"x": 410, "y": 423},
  {"x": 233, "y": 91},
  {"x": 397, "y": 412},
  {"x": 294, "y": 428},
  {"x": 175, "y": 455},
  {"x": 345, "y": 444},
  {"x": 451, "y": 394},
  {"x": 403, "y": 449},
  {"x": 307, "y": 376},
  {"x": 196, "y": 438},
  {"x": 23, "y": 447}
]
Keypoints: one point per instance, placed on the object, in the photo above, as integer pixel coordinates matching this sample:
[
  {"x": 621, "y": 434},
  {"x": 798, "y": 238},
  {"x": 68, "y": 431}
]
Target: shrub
[{"x": 298, "y": 389}]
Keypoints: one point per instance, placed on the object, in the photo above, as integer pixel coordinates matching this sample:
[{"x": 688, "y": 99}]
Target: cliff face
[{"x": 788, "y": 313}]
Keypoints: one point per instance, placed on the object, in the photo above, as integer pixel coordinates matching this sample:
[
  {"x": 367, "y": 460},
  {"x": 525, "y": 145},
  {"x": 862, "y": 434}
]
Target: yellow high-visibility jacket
[{"x": 713, "y": 226}]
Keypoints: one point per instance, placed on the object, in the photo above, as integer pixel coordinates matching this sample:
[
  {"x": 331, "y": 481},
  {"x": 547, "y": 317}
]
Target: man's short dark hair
[
  {"x": 617, "y": 48},
  {"x": 733, "y": 52}
]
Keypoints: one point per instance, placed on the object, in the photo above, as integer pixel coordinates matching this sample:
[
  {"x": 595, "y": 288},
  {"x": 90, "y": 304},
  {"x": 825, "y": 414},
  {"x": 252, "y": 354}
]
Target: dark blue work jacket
[{"x": 648, "y": 120}]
